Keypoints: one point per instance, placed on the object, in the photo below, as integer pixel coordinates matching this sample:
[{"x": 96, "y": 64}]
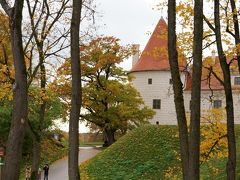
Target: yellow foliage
[
  {"x": 171, "y": 174},
  {"x": 213, "y": 132},
  {"x": 83, "y": 173}
]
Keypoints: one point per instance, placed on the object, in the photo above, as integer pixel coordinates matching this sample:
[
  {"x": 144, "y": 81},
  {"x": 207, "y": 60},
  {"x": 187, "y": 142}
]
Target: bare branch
[
  {"x": 209, "y": 24},
  {"x": 6, "y": 7},
  {"x": 215, "y": 75}
]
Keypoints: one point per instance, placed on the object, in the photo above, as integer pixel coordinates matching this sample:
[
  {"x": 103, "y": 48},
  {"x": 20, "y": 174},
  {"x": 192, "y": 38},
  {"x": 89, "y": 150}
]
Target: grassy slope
[{"x": 141, "y": 154}]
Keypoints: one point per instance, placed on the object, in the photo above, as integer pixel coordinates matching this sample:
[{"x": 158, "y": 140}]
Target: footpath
[{"x": 59, "y": 169}]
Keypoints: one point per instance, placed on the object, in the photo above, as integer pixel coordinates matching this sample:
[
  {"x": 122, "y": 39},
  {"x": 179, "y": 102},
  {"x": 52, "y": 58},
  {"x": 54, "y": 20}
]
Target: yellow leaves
[
  {"x": 39, "y": 95},
  {"x": 6, "y": 91},
  {"x": 214, "y": 141},
  {"x": 170, "y": 173},
  {"x": 185, "y": 12}
]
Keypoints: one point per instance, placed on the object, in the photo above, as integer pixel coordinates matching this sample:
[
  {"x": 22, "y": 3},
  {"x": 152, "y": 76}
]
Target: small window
[
  {"x": 149, "y": 81},
  {"x": 170, "y": 81},
  {"x": 217, "y": 104},
  {"x": 157, "y": 122},
  {"x": 156, "y": 104},
  {"x": 237, "y": 81}
]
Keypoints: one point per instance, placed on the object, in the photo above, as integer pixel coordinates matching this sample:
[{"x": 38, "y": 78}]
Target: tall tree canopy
[{"x": 109, "y": 99}]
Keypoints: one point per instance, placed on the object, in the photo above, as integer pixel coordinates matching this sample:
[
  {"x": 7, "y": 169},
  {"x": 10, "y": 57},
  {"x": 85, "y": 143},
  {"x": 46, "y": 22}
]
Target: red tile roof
[
  {"x": 209, "y": 81},
  {"x": 155, "y": 55}
]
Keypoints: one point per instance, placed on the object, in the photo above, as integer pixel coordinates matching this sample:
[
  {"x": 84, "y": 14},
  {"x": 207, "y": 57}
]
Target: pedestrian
[
  {"x": 46, "y": 169},
  {"x": 28, "y": 173},
  {"x": 39, "y": 174}
]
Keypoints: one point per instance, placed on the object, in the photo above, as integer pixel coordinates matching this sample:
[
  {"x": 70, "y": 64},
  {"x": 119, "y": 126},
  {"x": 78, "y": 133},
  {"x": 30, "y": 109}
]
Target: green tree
[{"x": 109, "y": 99}]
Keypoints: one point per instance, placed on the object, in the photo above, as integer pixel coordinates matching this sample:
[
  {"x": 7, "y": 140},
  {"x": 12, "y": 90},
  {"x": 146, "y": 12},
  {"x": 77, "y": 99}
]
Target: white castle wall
[
  {"x": 207, "y": 104},
  {"x": 159, "y": 89},
  {"x": 162, "y": 89}
]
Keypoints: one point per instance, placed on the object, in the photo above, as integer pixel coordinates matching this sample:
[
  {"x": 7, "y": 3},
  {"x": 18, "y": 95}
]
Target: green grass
[
  {"x": 144, "y": 153},
  {"x": 84, "y": 144},
  {"x": 148, "y": 153}
]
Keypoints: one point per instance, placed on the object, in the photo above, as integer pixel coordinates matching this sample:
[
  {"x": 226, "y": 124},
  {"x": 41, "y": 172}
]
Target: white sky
[{"x": 129, "y": 20}]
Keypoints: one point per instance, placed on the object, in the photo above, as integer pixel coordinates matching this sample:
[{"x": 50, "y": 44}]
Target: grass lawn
[
  {"x": 141, "y": 154},
  {"x": 84, "y": 144}
]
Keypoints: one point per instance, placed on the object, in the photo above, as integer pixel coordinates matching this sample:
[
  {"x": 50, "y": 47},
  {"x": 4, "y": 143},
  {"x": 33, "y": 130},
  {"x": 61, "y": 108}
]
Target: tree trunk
[
  {"x": 35, "y": 151},
  {"x": 194, "y": 140},
  {"x": 35, "y": 158},
  {"x": 37, "y": 138},
  {"x": 20, "y": 104},
  {"x": 73, "y": 169},
  {"x": 231, "y": 164},
  {"x": 177, "y": 88},
  {"x": 109, "y": 137},
  {"x": 236, "y": 30}
]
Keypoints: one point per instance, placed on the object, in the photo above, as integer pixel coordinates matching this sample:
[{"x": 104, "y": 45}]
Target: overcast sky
[{"x": 129, "y": 20}]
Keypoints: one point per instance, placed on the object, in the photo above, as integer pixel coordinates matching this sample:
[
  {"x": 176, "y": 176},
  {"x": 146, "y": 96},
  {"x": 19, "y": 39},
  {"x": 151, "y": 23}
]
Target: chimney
[
  {"x": 214, "y": 56},
  {"x": 136, "y": 53}
]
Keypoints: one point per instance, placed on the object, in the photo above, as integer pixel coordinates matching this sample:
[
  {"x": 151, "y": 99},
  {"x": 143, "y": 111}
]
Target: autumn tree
[
  {"x": 195, "y": 106},
  {"x": 47, "y": 30},
  {"x": 6, "y": 60},
  {"x": 105, "y": 81},
  {"x": 231, "y": 164},
  {"x": 236, "y": 33},
  {"x": 110, "y": 101},
  {"x": 177, "y": 88},
  {"x": 226, "y": 61},
  {"x": 76, "y": 95},
  {"x": 20, "y": 103},
  {"x": 214, "y": 135},
  {"x": 40, "y": 45},
  {"x": 189, "y": 151}
]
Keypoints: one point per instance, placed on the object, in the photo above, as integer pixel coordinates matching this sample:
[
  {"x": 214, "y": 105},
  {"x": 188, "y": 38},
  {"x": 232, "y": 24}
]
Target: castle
[{"x": 152, "y": 78}]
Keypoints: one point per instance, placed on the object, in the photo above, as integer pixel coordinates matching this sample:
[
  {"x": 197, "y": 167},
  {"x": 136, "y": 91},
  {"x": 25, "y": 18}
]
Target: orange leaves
[
  {"x": 5, "y": 91},
  {"x": 185, "y": 12},
  {"x": 103, "y": 51}
]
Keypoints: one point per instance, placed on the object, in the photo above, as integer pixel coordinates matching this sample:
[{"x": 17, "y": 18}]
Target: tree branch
[{"x": 6, "y": 7}]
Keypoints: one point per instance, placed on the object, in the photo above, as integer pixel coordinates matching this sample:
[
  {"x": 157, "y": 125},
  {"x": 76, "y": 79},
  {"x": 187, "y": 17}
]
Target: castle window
[
  {"x": 237, "y": 81},
  {"x": 170, "y": 81},
  {"x": 217, "y": 104},
  {"x": 156, "y": 103},
  {"x": 150, "y": 81}
]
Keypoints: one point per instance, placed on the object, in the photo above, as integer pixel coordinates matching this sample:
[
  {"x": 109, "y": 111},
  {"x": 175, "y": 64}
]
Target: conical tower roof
[{"x": 155, "y": 55}]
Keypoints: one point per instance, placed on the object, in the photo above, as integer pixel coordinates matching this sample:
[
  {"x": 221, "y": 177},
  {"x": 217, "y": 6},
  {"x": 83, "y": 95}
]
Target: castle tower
[{"x": 153, "y": 77}]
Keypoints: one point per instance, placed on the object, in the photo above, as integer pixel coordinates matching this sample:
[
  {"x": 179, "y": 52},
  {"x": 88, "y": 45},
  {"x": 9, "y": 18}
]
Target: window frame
[
  {"x": 237, "y": 80},
  {"x": 149, "y": 80},
  {"x": 217, "y": 104},
  {"x": 156, "y": 104}
]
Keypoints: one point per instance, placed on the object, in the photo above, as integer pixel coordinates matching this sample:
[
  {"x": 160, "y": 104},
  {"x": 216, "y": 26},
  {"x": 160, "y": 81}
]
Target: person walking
[
  {"x": 28, "y": 173},
  {"x": 46, "y": 169},
  {"x": 39, "y": 174}
]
